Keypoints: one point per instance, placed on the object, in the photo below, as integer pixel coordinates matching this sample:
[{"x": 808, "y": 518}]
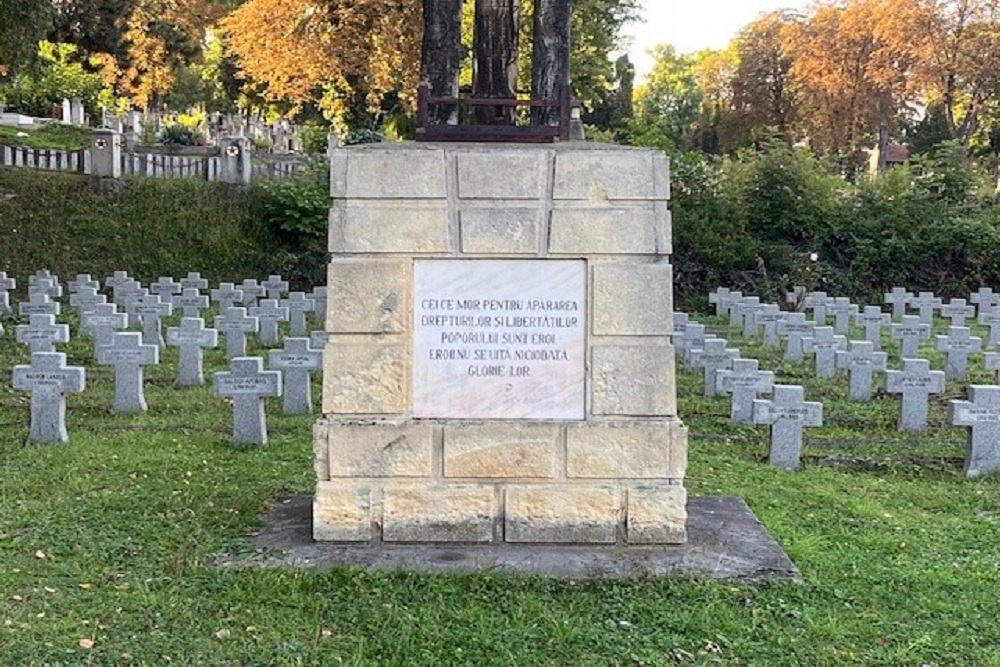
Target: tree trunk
[
  {"x": 495, "y": 58},
  {"x": 549, "y": 56},
  {"x": 440, "y": 54}
]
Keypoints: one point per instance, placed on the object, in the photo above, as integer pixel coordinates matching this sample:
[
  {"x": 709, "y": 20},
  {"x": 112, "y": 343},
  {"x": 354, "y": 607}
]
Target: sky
[{"x": 692, "y": 25}]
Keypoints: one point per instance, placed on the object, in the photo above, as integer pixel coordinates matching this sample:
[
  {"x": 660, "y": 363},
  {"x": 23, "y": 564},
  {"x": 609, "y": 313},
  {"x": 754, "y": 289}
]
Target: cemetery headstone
[
  {"x": 193, "y": 280},
  {"x": 248, "y": 384},
  {"x": 275, "y": 287},
  {"x": 85, "y": 299},
  {"x": 80, "y": 281},
  {"x": 991, "y": 318},
  {"x": 49, "y": 379},
  {"x": 101, "y": 322},
  {"x": 41, "y": 275},
  {"x": 957, "y": 345},
  {"x": 861, "y": 362},
  {"x": 796, "y": 298},
  {"x": 46, "y": 286},
  {"x": 191, "y": 337},
  {"x": 234, "y": 324},
  {"x": 318, "y": 295},
  {"x": 318, "y": 339},
  {"x": 296, "y": 360},
  {"x": 984, "y": 299},
  {"x": 794, "y": 328},
  {"x": 824, "y": 345},
  {"x": 719, "y": 299},
  {"x": 298, "y": 305},
  {"x": 115, "y": 280},
  {"x": 958, "y": 311},
  {"x": 129, "y": 295},
  {"x": 166, "y": 287},
  {"x": 270, "y": 315},
  {"x": 691, "y": 338},
  {"x": 787, "y": 413},
  {"x": 227, "y": 295},
  {"x": 817, "y": 302},
  {"x": 748, "y": 310},
  {"x": 680, "y": 320},
  {"x": 767, "y": 319},
  {"x": 873, "y": 319},
  {"x": 42, "y": 333},
  {"x": 712, "y": 357},
  {"x": 991, "y": 362},
  {"x": 916, "y": 381},
  {"x": 128, "y": 354},
  {"x": 981, "y": 413},
  {"x": 899, "y": 298},
  {"x": 190, "y": 302},
  {"x": 926, "y": 303},
  {"x": 150, "y": 310},
  {"x": 842, "y": 310},
  {"x": 38, "y": 304},
  {"x": 252, "y": 292},
  {"x": 909, "y": 333},
  {"x": 745, "y": 382},
  {"x": 6, "y": 286}
]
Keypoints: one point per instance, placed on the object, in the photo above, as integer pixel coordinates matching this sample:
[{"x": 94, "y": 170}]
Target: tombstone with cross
[
  {"x": 795, "y": 298},
  {"x": 130, "y": 295},
  {"x": 925, "y": 303},
  {"x": 679, "y": 322},
  {"x": 915, "y": 382},
  {"x": 991, "y": 319},
  {"x": 872, "y": 319},
  {"x": 719, "y": 297},
  {"x": 296, "y": 360},
  {"x": 298, "y": 305},
  {"x": 318, "y": 339},
  {"x": 115, "y": 280},
  {"x": 227, "y": 295},
  {"x": 981, "y": 413},
  {"x": 909, "y": 333},
  {"x": 191, "y": 337},
  {"x": 745, "y": 382},
  {"x": 193, "y": 280},
  {"x": 270, "y": 315},
  {"x": 693, "y": 337},
  {"x": 318, "y": 296},
  {"x": 166, "y": 287},
  {"x": 80, "y": 281},
  {"x": 38, "y": 304},
  {"x": 43, "y": 275},
  {"x": 861, "y": 362},
  {"x": 991, "y": 362},
  {"x": 713, "y": 356},
  {"x": 787, "y": 413},
  {"x": 984, "y": 299},
  {"x": 128, "y": 354},
  {"x": 275, "y": 287},
  {"x": 150, "y": 310},
  {"x": 958, "y": 311},
  {"x": 747, "y": 311},
  {"x": 234, "y": 324},
  {"x": 843, "y": 311},
  {"x": 42, "y": 333},
  {"x": 190, "y": 302},
  {"x": 46, "y": 286},
  {"x": 6, "y": 286},
  {"x": 252, "y": 292},
  {"x": 85, "y": 299},
  {"x": 49, "y": 379},
  {"x": 957, "y": 345},
  {"x": 795, "y": 328},
  {"x": 248, "y": 384},
  {"x": 102, "y": 322},
  {"x": 824, "y": 345},
  {"x": 817, "y": 302},
  {"x": 767, "y": 319}
]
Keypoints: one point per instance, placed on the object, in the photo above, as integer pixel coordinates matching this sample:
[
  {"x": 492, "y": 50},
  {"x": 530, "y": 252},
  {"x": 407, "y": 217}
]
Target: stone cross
[
  {"x": 128, "y": 354},
  {"x": 193, "y": 280},
  {"x": 45, "y": 286},
  {"x": 899, "y": 298},
  {"x": 926, "y": 303},
  {"x": 298, "y": 305},
  {"x": 957, "y": 345},
  {"x": 910, "y": 332},
  {"x": 745, "y": 381},
  {"x": 85, "y": 299},
  {"x": 693, "y": 337},
  {"x": 991, "y": 318},
  {"x": 296, "y": 360},
  {"x": 275, "y": 287},
  {"x": 49, "y": 379},
  {"x": 235, "y": 325},
  {"x": 125, "y": 289},
  {"x": 102, "y": 322},
  {"x": 248, "y": 384},
  {"x": 270, "y": 315},
  {"x": 768, "y": 318},
  {"x": 861, "y": 363},
  {"x": 80, "y": 281},
  {"x": 226, "y": 296},
  {"x": 38, "y": 304},
  {"x": 746, "y": 310},
  {"x": 190, "y": 301},
  {"x": 165, "y": 286},
  {"x": 150, "y": 310},
  {"x": 319, "y": 303},
  {"x": 42, "y": 275},
  {"x": 42, "y": 333},
  {"x": 958, "y": 312},
  {"x": 720, "y": 297},
  {"x": 116, "y": 279},
  {"x": 6, "y": 285},
  {"x": 915, "y": 382},
  {"x": 795, "y": 298},
  {"x": 817, "y": 302},
  {"x": 873, "y": 319},
  {"x": 787, "y": 413},
  {"x": 318, "y": 339},
  {"x": 991, "y": 362},
  {"x": 795, "y": 328},
  {"x": 680, "y": 320},
  {"x": 252, "y": 292},
  {"x": 129, "y": 295},
  {"x": 985, "y": 299},
  {"x": 824, "y": 345},
  {"x": 191, "y": 336},
  {"x": 982, "y": 414},
  {"x": 842, "y": 310},
  {"x": 713, "y": 356}
]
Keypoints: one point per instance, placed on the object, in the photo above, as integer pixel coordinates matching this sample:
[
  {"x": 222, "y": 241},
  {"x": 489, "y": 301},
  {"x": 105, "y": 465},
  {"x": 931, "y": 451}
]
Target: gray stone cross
[
  {"x": 190, "y": 301},
  {"x": 795, "y": 298},
  {"x": 795, "y": 328},
  {"x": 191, "y": 337},
  {"x": 128, "y": 354},
  {"x": 275, "y": 287},
  {"x": 899, "y": 298},
  {"x": 49, "y": 380},
  {"x": 129, "y": 295},
  {"x": 817, "y": 302},
  {"x": 768, "y": 318},
  {"x": 842, "y": 310},
  {"x": 693, "y": 337},
  {"x": 235, "y": 325},
  {"x": 193, "y": 280},
  {"x": 298, "y": 305},
  {"x": 746, "y": 311},
  {"x": 824, "y": 345},
  {"x": 991, "y": 318},
  {"x": 252, "y": 292},
  {"x": 226, "y": 296},
  {"x": 117, "y": 278},
  {"x": 713, "y": 356},
  {"x": 165, "y": 286},
  {"x": 45, "y": 286},
  {"x": 958, "y": 311},
  {"x": 318, "y": 339},
  {"x": 296, "y": 360},
  {"x": 982, "y": 414},
  {"x": 150, "y": 310},
  {"x": 915, "y": 382},
  {"x": 6, "y": 285},
  {"x": 991, "y": 362},
  {"x": 732, "y": 308},
  {"x": 679, "y": 321},
  {"x": 909, "y": 333},
  {"x": 787, "y": 413},
  {"x": 85, "y": 299},
  {"x": 270, "y": 315},
  {"x": 38, "y": 304},
  {"x": 319, "y": 303},
  {"x": 957, "y": 345},
  {"x": 102, "y": 322},
  {"x": 248, "y": 384},
  {"x": 42, "y": 333},
  {"x": 985, "y": 299},
  {"x": 124, "y": 290},
  {"x": 926, "y": 303},
  {"x": 80, "y": 281},
  {"x": 873, "y": 319},
  {"x": 43, "y": 274},
  {"x": 861, "y": 362},
  {"x": 719, "y": 298},
  {"x": 745, "y": 381}
]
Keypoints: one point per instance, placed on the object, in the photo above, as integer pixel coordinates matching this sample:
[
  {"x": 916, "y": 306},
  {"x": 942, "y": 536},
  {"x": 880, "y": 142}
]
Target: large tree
[{"x": 22, "y": 24}]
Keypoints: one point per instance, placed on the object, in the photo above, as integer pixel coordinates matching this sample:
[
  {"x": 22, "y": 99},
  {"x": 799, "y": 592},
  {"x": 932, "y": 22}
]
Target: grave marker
[
  {"x": 713, "y": 356},
  {"x": 81, "y": 281},
  {"x": 795, "y": 328},
  {"x": 130, "y": 295},
  {"x": 191, "y": 337},
  {"x": 909, "y": 333},
  {"x": 166, "y": 287},
  {"x": 824, "y": 345},
  {"x": 49, "y": 379},
  {"x": 768, "y": 318},
  {"x": 318, "y": 296},
  {"x": 958, "y": 312},
  {"x": 984, "y": 299},
  {"x": 861, "y": 362},
  {"x": 796, "y": 298},
  {"x": 720, "y": 298},
  {"x": 6, "y": 285},
  {"x": 817, "y": 302},
  {"x": 193, "y": 280},
  {"x": 85, "y": 299},
  {"x": 691, "y": 338},
  {"x": 745, "y": 381},
  {"x": 128, "y": 354},
  {"x": 748, "y": 309},
  {"x": 38, "y": 304},
  {"x": 991, "y": 318},
  {"x": 227, "y": 295},
  {"x": 873, "y": 319},
  {"x": 190, "y": 301},
  {"x": 235, "y": 325},
  {"x": 991, "y": 362},
  {"x": 318, "y": 339},
  {"x": 45, "y": 286},
  {"x": 957, "y": 345},
  {"x": 915, "y": 382},
  {"x": 102, "y": 322},
  {"x": 270, "y": 315},
  {"x": 298, "y": 305},
  {"x": 43, "y": 274},
  {"x": 787, "y": 413},
  {"x": 926, "y": 303},
  {"x": 252, "y": 292},
  {"x": 982, "y": 414},
  {"x": 842, "y": 310},
  {"x": 248, "y": 384},
  {"x": 296, "y": 361},
  {"x": 899, "y": 298},
  {"x": 150, "y": 310},
  {"x": 42, "y": 333},
  {"x": 275, "y": 287}
]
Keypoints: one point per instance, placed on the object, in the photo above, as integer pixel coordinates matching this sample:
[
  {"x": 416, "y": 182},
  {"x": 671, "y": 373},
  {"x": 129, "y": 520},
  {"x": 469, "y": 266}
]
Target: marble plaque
[{"x": 499, "y": 339}]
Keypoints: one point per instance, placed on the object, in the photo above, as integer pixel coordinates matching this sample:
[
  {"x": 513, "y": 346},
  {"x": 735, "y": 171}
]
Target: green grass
[
  {"x": 111, "y": 539},
  {"x": 52, "y": 136}
]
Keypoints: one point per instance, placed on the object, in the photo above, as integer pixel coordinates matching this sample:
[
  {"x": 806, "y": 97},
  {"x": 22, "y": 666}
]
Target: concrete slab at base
[{"x": 725, "y": 542}]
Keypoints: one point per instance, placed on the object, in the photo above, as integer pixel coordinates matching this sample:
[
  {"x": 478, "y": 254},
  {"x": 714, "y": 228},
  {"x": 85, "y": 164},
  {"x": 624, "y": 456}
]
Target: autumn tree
[
  {"x": 670, "y": 99},
  {"x": 22, "y": 24}
]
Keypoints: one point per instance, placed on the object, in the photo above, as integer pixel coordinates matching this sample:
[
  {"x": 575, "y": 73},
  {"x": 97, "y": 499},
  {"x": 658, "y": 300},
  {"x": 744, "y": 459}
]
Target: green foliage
[
  {"x": 59, "y": 75},
  {"x": 363, "y": 136},
  {"x": 315, "y": 137},
  {"x": 22, "y": 24},
  {"x": 297, "y": 209},
  {"x": 670, "y": 99},
  {"x": 179, "y": 135},
  {"x": 51, "y": 135}
]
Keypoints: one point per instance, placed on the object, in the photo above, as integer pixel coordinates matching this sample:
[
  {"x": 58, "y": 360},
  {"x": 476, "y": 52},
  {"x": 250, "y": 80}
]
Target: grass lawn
[
  {"x": 107, "y": 543},
  {"x": 52, "y": 136}
]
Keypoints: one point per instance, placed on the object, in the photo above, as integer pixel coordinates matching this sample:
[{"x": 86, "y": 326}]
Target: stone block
[
  {"x": 584, "y": 514},
  {"x": 522, "y": 175},
  {"x": 342, "y": 512},
  {"x": 635, "y": 380},
  {"x": 601, "y": 175},
  {"x": 395, "y": 173},
  {"x": 368, "y": 295},
  {"x": 657, "y": 514},
  {"x": 604, "y": 230},
  {"x": 632, "y": 299},
  {"x": 402, "y": 227},
  {"x": 630, "y": 450},
  {"x": 321, "y": 451},
  {"x": 500, "y": 231},
  {"x": 661, "y": 176},
  {"x": 338, "y": 173},
  {"x": 379, "y": 450},
  {"x": 438, "y": 513},
  {"x": 501, "y": 450},
  {"x": 365, "y": 375}
]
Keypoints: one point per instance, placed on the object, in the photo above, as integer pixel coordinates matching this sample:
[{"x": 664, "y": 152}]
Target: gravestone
[
  {"x": 899, "y": 298},
  {"x": 49, "y": 379},
  {"x": 861, "y": 362},
  {"x": 957, "y": 345},
  {"x": 680, "y": 321},
  {"x": 748, "y": 310},
  {"x": 115, "y": 280},
  {"x": 817, "y": 302},
  {"x": 719, "y": 298},
  {"x": 80, "y": 281},
  {"x": 191, "y": 337},
  {"x": 227, "y": 295},
  {"x": 85, "y": 299},
  {"x": 296, "y": 360},
  {"x": 744, "y": 381},
  {"x": 248, "y": 384},
  {"x": 274, "y": 287},
  {"x": 733, "y": 308},
  {"x": 925, "y": 303},
  {"x": 318, "y": 339},
  {"x": 38, "y": 304},
  {"x": 767, "y": 320},
  {"x": 166, "y": 287},
  {"x": 843, "y": 311},
  {"x": 915, "y": 382},
  {"x": 991, "y": 362},
  {"x": 787, "y": 413},
  {"x": 873, "y": 319},
  {"x": 984, "y": 299},
  {"x": 190, "y": 302},
  {"x": 129, "y": 296},
  {"x": 991, "y": 318},
  {"x": 270, "y": 315},
  {"x": 795, "y": 328},
  {"x": 909, "y": 333},
  {"x": 6, "y": 286},
  {"x": 318, "y": 295},
  {"x": 298, "y": 304},
  {"x": 958, "y": 311},
  {"x": 981, "y": 413},
  {"x": 45, "y": 286},
  {"x": 43, "y": 275},
  {"x": 713, "y": 356},
  {"x": 796, "y": 298},
  {"x": 150, "y": 309},
  {"x": 693, "y": 337},
  {"x": 193, "y": 280},
  {"x": 102, "y": 322},
  {"x": 824, "y": 345},
  {"x": 234, "y": 324},
  {"x": 252, "y": 292},
  {"x": 42, "y": 333},
  {"x": 128, "y": 354}
]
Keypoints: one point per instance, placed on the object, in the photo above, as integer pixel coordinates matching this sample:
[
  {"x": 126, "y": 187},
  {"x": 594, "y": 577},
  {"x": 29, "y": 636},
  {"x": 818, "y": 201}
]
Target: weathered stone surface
[
  {"x": 247, "y": 385},
  {"x": 296, "y": 361},
  {"x": 787, "y": 412},
  {"x": 606, "y": 230},
  {"x": 501, "y": 450},
  {"x": 744, "y": 381},
  {"x": 342, "y": 512},
  {"x": 656, "y": 514},
  {"x": 627, "y": 301},
  {"x": 438, "y": 513},
  {"x": 416, "y": 173},
  {"x": 915, "y": 382},
  {"x": 49, "y": 379},
  {"x": 523, "y": 175},
  {"x": 981, "y": 413},
  {"x": 501, "y": 231},
  {"x": 368, "y": 295},
  {"x": 380, "y": 449},
  {"x": 364, "y": 375},
  {"x": 413, "y": 227},
  {"x": 637, "y": 450},
  {"x": 561, "y": 513},
  {"x": 128, "y": 354},
  {"x": 606, "y": 175},
  {"x": 633, "y": 380}
]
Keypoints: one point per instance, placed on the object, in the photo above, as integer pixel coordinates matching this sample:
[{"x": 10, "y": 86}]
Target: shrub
[{"x": 179, "y": 135}]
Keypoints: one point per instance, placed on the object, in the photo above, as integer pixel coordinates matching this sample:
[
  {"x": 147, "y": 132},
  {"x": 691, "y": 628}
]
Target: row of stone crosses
[
  {"x": 262, "y": 308},
  {"x": 803, "y": 330}
]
